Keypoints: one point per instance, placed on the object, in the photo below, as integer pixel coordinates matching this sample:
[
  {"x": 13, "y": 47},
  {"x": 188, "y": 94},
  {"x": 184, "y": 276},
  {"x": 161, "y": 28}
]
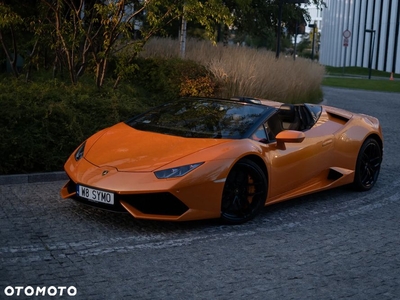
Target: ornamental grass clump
[{"x": 243, "y": 71}]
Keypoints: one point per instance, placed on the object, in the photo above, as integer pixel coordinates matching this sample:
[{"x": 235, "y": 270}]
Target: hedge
[{"x": 43, "y": 121}]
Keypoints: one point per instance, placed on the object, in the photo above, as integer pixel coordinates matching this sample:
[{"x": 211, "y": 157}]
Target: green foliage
[
  {"x": 265, "y": 38},
  {"x": 8, "y": 17},
  {"x": 303, "y": 45},
  {"x": 208, "y": 14},
  {"x": 42, "y": 123},
  {"x": 173, "y": 78},
  {"x": 308, "y": 54},
  {"x": 252, "y": 17},
  {"x": 202, "y": 86}
]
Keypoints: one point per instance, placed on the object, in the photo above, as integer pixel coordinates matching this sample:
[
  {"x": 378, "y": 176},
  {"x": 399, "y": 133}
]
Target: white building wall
[
  {"x": 382, "y": 16},
  {"x": 381, "y": 41}
]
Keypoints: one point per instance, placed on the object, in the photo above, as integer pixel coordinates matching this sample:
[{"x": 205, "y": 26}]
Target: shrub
[
  {"x": 172, "y": 78},
  {"x": 42, "y": 123}
]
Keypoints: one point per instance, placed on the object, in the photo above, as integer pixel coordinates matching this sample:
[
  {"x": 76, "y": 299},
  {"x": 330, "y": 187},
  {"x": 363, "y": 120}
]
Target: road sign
[
  {"x": 345, "y": 42},
  {"x": 346, "y": 34}
]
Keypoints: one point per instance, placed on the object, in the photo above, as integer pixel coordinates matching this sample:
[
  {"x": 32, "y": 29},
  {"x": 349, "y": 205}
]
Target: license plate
[{"x": 95, "y": 195}]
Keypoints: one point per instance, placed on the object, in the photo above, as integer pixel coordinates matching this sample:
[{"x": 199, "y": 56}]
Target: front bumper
[{"x": 194, "y": 196}]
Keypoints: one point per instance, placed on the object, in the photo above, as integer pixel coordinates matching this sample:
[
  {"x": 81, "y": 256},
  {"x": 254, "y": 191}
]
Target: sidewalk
[{"x": 34, "y": 177}]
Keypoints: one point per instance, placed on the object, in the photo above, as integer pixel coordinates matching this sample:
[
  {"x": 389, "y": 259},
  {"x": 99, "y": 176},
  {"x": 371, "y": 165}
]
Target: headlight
[
  {"x": 80, "y": 151},
  {"x": 176, "y": 172}
]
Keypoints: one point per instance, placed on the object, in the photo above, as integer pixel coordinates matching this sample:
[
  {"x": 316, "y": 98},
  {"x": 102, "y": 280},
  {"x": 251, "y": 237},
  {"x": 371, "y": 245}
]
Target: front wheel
[
  {"x": 245, "y": 192},
  {"x": 368, "y": 165}
]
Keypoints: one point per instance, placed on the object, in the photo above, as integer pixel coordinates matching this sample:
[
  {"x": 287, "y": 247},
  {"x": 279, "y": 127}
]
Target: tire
[
  {"x": 368, "y": 165},
  {"x": 245, "y": 192}
]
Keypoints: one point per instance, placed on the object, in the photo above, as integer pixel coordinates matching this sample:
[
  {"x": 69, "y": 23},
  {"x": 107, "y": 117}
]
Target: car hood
[{"x": 128, "y": 149}]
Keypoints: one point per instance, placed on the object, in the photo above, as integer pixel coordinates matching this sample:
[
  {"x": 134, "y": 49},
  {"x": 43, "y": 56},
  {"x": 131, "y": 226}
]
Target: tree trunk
[
  {"x": 12, "y": 60},
  {"x": 183, "y": 37},
  {"x": 101, "y": 67}
]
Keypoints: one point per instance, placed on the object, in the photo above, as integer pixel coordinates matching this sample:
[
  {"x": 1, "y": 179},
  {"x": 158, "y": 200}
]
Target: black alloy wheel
[
  {"x": 368, "y": 165},
  {"x": 245, "y": 192}
]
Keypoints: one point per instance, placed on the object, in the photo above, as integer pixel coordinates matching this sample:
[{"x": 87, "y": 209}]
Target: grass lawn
[{"x": 357, "y": 78}]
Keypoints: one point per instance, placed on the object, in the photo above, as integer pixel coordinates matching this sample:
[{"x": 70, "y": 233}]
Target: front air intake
[{"x": 155, "y": 203}]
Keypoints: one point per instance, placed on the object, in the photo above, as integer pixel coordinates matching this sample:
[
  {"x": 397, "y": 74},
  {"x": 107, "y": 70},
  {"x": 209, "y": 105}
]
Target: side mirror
[{"x": 289, "y": 136}]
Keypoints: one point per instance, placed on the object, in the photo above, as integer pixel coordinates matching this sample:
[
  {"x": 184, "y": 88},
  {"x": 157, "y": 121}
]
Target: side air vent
[
  {"x": 334, "y": 175},
  {"x": 340, "y": 118}
]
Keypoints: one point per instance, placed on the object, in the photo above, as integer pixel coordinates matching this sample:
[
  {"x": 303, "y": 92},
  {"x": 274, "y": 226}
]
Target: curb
[{"x": 32, "y": 178}]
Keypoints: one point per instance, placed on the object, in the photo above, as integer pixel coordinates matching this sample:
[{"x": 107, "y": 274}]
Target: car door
[{"x": 298, "y": 165}]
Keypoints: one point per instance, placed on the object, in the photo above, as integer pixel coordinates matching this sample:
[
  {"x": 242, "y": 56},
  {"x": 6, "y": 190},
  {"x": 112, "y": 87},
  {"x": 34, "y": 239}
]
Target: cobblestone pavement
[{"x": 337, "y": 244}]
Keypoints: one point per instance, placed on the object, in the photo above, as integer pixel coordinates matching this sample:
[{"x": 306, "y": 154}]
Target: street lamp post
[
  {"x": 313, "y": 40},
  {"x": 295, "y": 39},
  {"x": 278, "y": 34},
  {"x": 371, "y": 50}
]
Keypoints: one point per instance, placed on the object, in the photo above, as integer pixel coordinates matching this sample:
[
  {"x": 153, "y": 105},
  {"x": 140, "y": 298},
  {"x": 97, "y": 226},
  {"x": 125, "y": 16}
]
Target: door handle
[{"x": 327, "y": 142}]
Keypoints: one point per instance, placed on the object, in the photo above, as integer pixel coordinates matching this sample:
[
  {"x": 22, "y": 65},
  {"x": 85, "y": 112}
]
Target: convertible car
[{"x": 200, "y": 158}]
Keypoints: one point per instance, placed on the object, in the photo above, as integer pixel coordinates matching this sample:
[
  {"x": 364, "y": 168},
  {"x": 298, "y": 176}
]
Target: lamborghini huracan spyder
[{"x": 201, "y": 158}]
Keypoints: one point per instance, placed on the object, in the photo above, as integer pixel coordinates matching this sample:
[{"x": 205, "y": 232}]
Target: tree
[
  {"x": 85, "y": 31},
  {"x": 83, "y": 35},
  {"x": 162, "y": 13},
  {"x": 255, "y": 18},
  {"x": 11, "y": 29},
  {"x": 98, "y": 29},
  {"x": 198, "y": 12}
]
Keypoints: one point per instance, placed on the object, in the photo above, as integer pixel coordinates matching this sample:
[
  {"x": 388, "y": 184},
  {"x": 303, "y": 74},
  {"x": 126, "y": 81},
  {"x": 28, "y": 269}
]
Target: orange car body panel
[{"x": 293, "y": 169}]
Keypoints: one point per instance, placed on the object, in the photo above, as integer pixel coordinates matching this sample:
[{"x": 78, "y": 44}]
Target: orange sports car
[{"x": 201, "y": 158}]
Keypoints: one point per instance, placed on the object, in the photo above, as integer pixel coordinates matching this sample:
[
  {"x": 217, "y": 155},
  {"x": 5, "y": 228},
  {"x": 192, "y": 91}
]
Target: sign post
[{"x": 346, "y": 37}]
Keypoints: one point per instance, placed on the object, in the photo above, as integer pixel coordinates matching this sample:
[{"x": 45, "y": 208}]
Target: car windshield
[{"x": 201, "y": 118}]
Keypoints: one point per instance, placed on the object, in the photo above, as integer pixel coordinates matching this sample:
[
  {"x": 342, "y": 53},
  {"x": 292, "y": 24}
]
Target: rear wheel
[
  {"x": 368, "y": 165},
  {"x": 244, "y": 193}
]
